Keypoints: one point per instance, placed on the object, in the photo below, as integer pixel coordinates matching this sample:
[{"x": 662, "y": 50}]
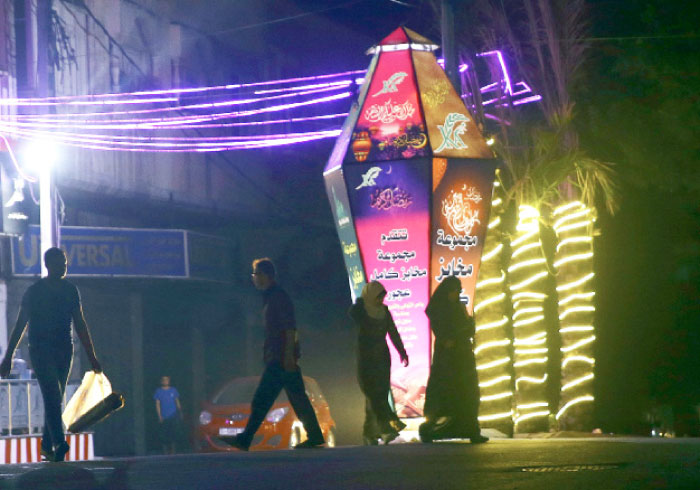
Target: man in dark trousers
[
  {"x": 281, "y": 353},
  {"x": 169, "y": 414},
  {"x": 48, "y": 306}
]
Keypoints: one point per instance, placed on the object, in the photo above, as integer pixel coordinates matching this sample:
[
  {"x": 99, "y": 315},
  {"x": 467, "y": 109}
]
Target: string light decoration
[
  {"x": 192, "y": 119},
  {"x": 492, "y": 340},
  {"x": 573, "y": 263},
  {"x": 526, "y": 278}
]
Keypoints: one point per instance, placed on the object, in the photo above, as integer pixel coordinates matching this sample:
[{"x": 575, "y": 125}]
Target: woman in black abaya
[
  {"x": 374, "y": 322},
  {"x": 452, "y": 395}
]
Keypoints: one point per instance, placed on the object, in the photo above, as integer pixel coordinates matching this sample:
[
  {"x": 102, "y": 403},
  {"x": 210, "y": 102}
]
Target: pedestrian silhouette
[
  {"x": 48, "y": 307},
  {"x": 280, "y": 354},
  {"x": 452, "y": 395},
  {"x": 374, "y": 322}
]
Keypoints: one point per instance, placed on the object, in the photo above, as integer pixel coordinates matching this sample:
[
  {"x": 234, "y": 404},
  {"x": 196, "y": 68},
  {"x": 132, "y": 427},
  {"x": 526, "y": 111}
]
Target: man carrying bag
[
  {"x": 48, "y": 307},
  {"x": 92, "y": 402}
]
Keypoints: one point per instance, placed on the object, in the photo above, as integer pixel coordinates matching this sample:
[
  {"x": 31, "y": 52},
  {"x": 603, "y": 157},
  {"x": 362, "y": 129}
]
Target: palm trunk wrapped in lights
[
  {"x": 573, "y": 225},
  {"x": 527, "y": 274},
  {"x": 539, "y": 155},
  {"x": 492, "y": 341}
]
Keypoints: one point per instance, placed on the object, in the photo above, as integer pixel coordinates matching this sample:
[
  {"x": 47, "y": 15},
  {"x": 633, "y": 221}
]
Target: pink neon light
[
  {"x": 260, "y": 123},
  {"x": 36, "y": 103},
  {"x": 342, "y": 83},
  {"x": 533, "y": 98},
  {"x": 34, "y": 125},
  {"x": 490, "y": 87},
  {"x": 179, "y": 122},
  {"x": 60, "y": 118},
  {"x": 22, "y": 101},
  {"x": 497, "y": 119},
  {"x": 203, "y": 149},
  {"x": 506, "y": 76},
  {"x": 508, "y": 89},
  {"x": 63, "y": 137}
]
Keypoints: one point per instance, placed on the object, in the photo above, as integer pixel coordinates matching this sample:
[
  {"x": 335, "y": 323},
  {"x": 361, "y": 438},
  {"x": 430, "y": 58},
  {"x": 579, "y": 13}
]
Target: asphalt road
[{"x": 615, "y": 463}]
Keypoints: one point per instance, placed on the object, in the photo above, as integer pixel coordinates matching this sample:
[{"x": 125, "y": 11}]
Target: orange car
[{"x": 228, "y": 411}]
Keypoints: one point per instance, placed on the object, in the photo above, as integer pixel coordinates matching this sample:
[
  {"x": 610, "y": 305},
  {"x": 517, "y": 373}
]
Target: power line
[
  {"x": 641, "y": 38},
  {"x": 285, "y": 19}
]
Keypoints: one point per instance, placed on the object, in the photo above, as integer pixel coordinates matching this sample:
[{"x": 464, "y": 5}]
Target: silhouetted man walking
[
  {"x": 48, "y": 306},
  {"x": 281, "y": 353}
]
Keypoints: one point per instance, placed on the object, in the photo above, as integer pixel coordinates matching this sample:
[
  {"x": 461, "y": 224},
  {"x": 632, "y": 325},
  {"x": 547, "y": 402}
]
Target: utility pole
[
  {"x": 449, "y": 48},
  {"x": 42, "y": 73}
]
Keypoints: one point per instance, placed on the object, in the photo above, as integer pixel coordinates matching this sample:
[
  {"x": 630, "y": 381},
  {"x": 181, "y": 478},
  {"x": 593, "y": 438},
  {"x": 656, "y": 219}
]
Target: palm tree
[
  {"x": 551, "y": 188},
  {"x": 493, "y": 339}
]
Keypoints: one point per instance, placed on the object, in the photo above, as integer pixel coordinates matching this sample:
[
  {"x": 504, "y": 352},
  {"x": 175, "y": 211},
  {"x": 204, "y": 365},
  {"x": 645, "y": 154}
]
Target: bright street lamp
[{"x": 39, "y": 157}]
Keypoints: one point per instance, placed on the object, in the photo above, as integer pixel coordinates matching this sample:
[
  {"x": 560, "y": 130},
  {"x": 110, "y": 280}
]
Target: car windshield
[{"x": 241, "y": 391}]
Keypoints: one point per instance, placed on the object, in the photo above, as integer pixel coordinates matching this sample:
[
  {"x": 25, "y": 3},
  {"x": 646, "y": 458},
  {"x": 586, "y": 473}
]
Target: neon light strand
[
  {"x": 526, "y": 274},
  {"x": 137, "y": 97},
  {"x": 210, "y": 148},
  {"x": 574, "y": 264},
  {"x": 491, "y": 281},
  {"x": 522, "y": 311},
  {"x": 493, "y": 299},
  {"x": 528, "y": 321},
  {"x": 65, "y": 98},
  {"x": 525, "y": 352},
  {"x": 62, "y": 137},
  {"x": 577, "y": 328},
  {"x": 570, "y": 403},
  {"x": 496, "y": 324},
  {"x": 588, "y": 360},
  {"x": 537, "y": 339},
  {"x": 180, "y": 122},
  {"x": 497, "y": 396},
  {"x": 528, "y": 379},
  {"x": 67, "y": 117},
  {"x": 495, "y": 381},
  {"x": 493, "y": 364},
  {"x": 533, "y": 405},
  {"x": 496, "y": 416},
  {"x": 532, "y": 415},
  {"x": 492, "y": 253},
  {"x": 492, "y": 343},
  {"x": 263, "y": 92}
]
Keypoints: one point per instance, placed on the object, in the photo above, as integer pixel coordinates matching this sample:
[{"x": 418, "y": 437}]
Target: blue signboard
[{"x": 120, "y": 252}]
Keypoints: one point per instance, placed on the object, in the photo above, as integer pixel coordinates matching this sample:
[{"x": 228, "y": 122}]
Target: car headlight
[
  {"x": 277, "y": 414},
  {"x": 204, "y": 418}
]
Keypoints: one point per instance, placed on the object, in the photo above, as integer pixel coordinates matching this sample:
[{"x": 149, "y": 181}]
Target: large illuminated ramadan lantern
[{"x": 410, "y": 184}]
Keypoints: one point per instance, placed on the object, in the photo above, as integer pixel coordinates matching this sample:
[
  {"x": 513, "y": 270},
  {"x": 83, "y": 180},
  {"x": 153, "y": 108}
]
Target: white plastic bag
[{"x": 94, "y": 388}]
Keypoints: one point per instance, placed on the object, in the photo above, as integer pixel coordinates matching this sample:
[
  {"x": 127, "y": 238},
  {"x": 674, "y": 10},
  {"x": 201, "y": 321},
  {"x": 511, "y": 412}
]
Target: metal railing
[{"x": 22, "y": 407}]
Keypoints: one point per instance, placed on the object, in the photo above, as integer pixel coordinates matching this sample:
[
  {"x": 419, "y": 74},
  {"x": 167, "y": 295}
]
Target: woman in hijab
[
  {"x": 452, "y": 394},
  {"x": 374, "y": 321}
]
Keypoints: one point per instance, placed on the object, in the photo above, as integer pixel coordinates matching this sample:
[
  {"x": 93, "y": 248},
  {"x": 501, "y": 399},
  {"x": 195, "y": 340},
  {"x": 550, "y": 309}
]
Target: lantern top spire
[{"x": 401, "y": 39}]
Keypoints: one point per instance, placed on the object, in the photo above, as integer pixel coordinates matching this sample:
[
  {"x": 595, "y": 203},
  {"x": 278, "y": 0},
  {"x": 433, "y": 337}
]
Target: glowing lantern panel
[{"x": 416, "y": 174}]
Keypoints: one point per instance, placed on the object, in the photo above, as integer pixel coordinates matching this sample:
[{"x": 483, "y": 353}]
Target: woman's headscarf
[
  {"x": 371, "y": 291},
  {"x": 439, "y": 303}
]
